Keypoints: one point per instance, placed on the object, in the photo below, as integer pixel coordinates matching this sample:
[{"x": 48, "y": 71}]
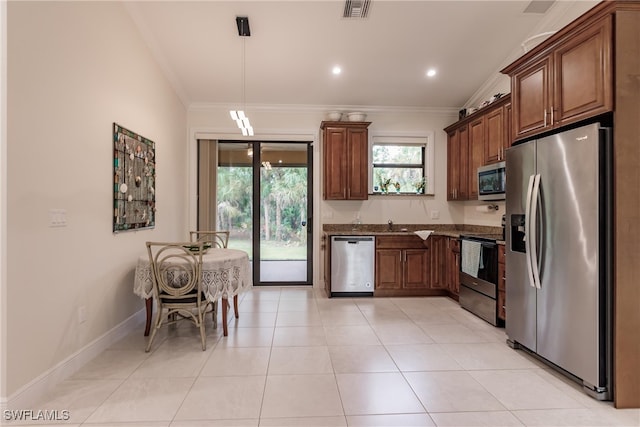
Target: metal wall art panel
[{"x": 134, "y": 180}]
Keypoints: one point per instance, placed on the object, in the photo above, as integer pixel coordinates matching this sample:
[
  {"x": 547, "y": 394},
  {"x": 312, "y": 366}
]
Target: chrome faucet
[{"x": 390, "y": 225}]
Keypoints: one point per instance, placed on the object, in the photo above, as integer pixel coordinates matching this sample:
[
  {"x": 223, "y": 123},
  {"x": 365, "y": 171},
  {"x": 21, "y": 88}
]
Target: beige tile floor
[{"x": 297, "y": 358}]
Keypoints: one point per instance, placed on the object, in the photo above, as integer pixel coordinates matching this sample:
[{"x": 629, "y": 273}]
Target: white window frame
[{"x": 427, "y": 140}]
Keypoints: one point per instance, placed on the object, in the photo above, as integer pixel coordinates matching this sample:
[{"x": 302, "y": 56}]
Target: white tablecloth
[{"x": 225, "y": 273}]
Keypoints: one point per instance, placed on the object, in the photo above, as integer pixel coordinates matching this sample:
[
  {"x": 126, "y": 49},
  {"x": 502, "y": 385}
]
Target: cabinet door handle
[
  {"x": 545, "y": 117},
  {"x": 552, "y": 116}
]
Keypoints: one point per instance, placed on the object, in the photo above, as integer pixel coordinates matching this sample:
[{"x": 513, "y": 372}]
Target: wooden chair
[
  {"x": 177, "y": 285},
  {"x": 219, "y": 239}
]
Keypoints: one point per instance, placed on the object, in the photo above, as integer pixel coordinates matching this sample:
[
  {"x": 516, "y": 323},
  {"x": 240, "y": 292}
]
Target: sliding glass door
[{"x": 264, "y": 198}]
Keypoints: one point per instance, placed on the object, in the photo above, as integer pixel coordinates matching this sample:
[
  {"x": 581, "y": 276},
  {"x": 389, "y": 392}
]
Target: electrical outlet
[
  {"x": 57, "y": 218},
  {"x": 82, "y": 314},
  {"x": 435, "y": 214}
]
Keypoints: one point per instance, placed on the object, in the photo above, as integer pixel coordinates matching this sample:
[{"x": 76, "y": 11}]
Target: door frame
[
  {"x": 256, "y": 216},
  {"x": 312, "y": 135}
]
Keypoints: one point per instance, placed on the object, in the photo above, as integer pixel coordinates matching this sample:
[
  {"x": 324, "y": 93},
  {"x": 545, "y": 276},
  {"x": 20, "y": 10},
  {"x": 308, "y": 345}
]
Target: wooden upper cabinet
[
  {"x": 583, "y": 79},
  {"x": 566, "y": 81},
  {"x": 346, "y": 164},
  {"x": 494, "y": 138},
  {"x": 457, "y": 163},
  {"x": 453, "y": 173},
  {"x": 530, "y": 98},
  {"x": 357, "y": 164},
  {"x": 335, "y": 163},
  {"x": 462, "y": 192},
  {"x": 508, "y": 128},
  {"x": 474, "y": 141},
  {"x": 476, "y": 154}
]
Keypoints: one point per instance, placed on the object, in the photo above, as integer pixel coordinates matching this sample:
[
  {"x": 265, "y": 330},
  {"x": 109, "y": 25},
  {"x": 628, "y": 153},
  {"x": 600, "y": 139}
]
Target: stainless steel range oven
[{"x": 479, "y": 277}]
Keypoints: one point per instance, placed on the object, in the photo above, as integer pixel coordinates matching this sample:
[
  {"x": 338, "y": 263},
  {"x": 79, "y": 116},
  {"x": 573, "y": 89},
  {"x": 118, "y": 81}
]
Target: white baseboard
[{"x": 32, "y": 392}]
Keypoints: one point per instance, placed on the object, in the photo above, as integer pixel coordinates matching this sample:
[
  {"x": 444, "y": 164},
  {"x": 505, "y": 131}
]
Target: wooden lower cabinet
[
  {"x": 453, "y": 267},
  {"x": 502, "y": 288},
  {"x": 389, "y": 269},
  {"x": 416, "y": 269},
  {"x": 403, "y": 267},
  {"x": 439, "y": 277},
  {"x": 325, "y": 246}
]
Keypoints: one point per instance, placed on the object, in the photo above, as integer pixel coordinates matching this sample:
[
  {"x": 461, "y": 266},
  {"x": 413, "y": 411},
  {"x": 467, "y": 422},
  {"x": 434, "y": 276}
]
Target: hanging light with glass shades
[{"x": 239, "y": 116}]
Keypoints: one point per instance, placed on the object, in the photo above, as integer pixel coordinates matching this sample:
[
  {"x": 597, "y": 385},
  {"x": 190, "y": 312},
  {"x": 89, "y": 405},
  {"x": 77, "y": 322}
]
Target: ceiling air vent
[
  {"x": 356, "y": 8},
  {"x": 539, "y": 6}
]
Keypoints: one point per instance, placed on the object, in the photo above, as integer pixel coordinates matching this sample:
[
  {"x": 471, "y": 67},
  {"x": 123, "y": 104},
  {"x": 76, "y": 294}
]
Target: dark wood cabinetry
[
  {"x": 453, "y": 266},
  {"x": 476, "y": 153},
  {"x": 533, "y": 84},
  {"x": 439, "y": 278},
  {"x": 570, "y": 80},
  {"x": 458, "y": 163},
  {"x": 498, "y": 134},
  {"x": 402, "y": 266},
  {"x": 475, "y": 141},
  {"x": 345, "y": 153},
  {"x": 325, "y": 246}
]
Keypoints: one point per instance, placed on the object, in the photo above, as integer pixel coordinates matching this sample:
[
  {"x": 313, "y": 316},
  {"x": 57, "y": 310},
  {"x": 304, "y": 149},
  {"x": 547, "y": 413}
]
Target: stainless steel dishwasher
[{"x": 352, "y": 265}]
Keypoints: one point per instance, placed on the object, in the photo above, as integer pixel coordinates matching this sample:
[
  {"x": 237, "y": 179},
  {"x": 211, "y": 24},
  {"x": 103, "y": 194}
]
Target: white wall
[
  {"x": 3, "y": 196},
  {"x": 74, "y": 68}
]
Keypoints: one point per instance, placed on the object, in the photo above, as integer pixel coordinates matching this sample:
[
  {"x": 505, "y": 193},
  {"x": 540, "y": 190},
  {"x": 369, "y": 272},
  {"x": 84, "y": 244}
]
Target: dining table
[{"x": 226, "y": 273}]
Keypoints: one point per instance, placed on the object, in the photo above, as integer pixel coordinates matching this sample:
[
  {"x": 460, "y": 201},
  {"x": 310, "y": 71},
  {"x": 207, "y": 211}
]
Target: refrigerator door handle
[
  {"x": 533, "y": 228},
  {"x": 527, "y": 231}
]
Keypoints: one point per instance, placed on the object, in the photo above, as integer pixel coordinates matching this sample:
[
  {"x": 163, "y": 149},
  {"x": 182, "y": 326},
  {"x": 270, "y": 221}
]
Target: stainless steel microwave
[{"x": 492, "y": 181}]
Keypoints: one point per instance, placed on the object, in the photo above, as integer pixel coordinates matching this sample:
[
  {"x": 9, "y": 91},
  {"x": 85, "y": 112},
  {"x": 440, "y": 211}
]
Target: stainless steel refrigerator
[{"x": 558, "y": 275}]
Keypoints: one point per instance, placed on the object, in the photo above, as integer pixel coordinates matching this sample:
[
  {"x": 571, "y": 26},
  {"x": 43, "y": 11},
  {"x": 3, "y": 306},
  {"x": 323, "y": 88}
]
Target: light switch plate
[
  {"x": 57, "y": 217},
  {"x": 435, "y": 214}
]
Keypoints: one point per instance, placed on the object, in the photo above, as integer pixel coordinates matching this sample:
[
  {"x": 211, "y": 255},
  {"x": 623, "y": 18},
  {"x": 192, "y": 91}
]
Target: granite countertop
[{"x": 448, "y": 230}]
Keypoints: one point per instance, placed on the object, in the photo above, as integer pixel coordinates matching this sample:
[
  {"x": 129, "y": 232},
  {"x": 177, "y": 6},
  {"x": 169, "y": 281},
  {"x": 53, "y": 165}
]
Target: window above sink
[{"x": 401, "y": 165}]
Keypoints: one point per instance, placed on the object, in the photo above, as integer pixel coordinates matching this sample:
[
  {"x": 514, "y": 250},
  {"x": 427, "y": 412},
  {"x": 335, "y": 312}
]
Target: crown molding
[
  {"x": 296, "y": 108},
  {"x": 558, "y": 16}
]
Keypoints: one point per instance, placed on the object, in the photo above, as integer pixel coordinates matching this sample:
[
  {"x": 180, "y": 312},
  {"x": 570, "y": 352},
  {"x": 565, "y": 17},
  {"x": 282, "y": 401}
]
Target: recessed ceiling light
[
  {"x": 431, "y": 72},
  {"x": 336, "y": 70}
]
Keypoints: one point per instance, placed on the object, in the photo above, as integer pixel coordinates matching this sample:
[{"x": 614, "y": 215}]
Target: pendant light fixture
[{"x": 238, "y": 115}]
